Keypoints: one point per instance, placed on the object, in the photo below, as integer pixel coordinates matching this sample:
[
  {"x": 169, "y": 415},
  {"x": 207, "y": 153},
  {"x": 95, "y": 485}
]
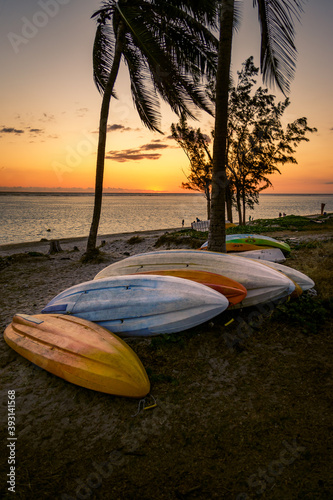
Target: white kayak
[
  {"x": 140, "y": 305},
  {"x": 270, "y": 254},
  {"x": 263, "y": 284},
  {"x": 301, "y": 279}
]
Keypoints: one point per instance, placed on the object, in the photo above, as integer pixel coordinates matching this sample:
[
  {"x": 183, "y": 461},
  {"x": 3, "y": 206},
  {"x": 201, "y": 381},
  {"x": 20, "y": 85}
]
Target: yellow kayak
[{"x": 80, "y": 352}]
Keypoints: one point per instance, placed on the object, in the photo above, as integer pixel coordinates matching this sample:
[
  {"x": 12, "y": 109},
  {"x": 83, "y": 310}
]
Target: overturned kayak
[
  {"x": 80, "y": 352},
  {"x": 140, "y": 305},
  {"x": 301, "y": 279},
  {"x": 233, "y": 291},
  {"x": 268, "y": 254},
  {"x": 262, "y": 283},
  {"x": 245, "y": 242}
]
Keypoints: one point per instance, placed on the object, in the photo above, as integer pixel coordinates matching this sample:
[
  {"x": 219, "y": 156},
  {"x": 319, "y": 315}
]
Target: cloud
[
  {"x": 121, "y": 128},
  {"x": 11, "y": 130},
  {"x": 136, "y": 154},
  {"x": 35, "y": 131}
]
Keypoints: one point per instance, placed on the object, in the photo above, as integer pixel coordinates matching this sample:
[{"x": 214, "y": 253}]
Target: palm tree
[
  {"x": 277, "y": 61},
  {"x": 167, "y": 48}
]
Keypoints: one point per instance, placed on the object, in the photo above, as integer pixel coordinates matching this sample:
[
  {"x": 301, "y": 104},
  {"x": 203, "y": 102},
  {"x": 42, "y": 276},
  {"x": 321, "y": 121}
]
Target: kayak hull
[
  {"x": 140, "y": 305},
  {"x": 261, "y": 285},
  {"x": 79, "y": 352}
]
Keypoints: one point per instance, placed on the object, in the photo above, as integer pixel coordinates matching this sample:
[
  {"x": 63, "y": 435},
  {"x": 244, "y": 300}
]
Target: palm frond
[
  {"x": 278, "y": 50},
  {"x": 143, "y": 92},
  {"x": 103, "y": 53}
]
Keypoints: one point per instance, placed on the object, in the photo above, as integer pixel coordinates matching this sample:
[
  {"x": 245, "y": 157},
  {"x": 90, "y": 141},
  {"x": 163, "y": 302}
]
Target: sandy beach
[{"x": 230, "y": 421}]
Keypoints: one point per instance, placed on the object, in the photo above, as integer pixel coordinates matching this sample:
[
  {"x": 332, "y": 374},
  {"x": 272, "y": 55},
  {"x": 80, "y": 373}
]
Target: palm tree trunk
[
  {"x": 207, "y": 194},
  {"x": 216, "y": 239},
  {"x": 244, "y": 207},
  {"x": 239, "y": 206},
  {"x": 91, "y": 244},
  {"x": 229, "y": 203}
]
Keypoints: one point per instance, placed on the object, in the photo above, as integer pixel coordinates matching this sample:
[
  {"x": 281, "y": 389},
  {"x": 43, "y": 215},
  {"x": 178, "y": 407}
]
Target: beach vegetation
[
  {"x": 257, "y": 144},
  {"x": 167, "y": 49},
  {"x": 277, "y": 62},
  {"x": 308, "y": 313},
  {"x": 134, "y": 240},
  {"x": 186, "y": 237}
]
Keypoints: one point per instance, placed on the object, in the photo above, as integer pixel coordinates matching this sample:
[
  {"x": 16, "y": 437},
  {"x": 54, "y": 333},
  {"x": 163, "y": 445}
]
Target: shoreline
[{"x": 67, "y": 242}]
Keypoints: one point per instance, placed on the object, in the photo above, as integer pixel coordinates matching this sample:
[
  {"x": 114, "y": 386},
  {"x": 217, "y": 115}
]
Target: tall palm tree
[
  {"x": 167, "y": 48},
  {"x": 277, "y": 61}
]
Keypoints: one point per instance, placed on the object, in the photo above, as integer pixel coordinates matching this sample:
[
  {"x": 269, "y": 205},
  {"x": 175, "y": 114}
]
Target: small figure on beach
[
  {"x": 183, "y": 222},
  {"x": 284, "y": 214},
  {"x": 280, "y": 215},
  {"x": 322, "y": 208}
]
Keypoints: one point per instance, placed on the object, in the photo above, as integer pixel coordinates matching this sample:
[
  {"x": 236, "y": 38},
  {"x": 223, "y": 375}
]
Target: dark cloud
[
  {"x": 116, "y": 126},
  {"x": 136, "y": 154},
  {"x": 148, "y": 147},
  {"x": 131, "y": 155},
  {"x": 36, "y": 131},
  {"x": 11, "y": 130},
  {"x": 120, "y": 128}
]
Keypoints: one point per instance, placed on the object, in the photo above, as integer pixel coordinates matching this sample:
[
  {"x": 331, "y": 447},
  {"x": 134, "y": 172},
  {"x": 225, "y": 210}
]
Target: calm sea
[{"x": 30, "y": 217}]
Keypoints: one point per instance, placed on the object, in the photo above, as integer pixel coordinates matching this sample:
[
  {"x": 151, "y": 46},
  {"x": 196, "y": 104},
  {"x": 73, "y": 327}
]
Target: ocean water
[{"x": 30, "y": 217}]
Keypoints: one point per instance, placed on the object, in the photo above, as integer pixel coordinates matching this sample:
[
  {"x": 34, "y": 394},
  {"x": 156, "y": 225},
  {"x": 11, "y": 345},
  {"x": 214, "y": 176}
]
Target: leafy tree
[
  {"x": 257, "y": 143},
  {"x": 278, "y": 54},
  {"x": 167, "y": 48},
  {"x": 195, "y": 144}
]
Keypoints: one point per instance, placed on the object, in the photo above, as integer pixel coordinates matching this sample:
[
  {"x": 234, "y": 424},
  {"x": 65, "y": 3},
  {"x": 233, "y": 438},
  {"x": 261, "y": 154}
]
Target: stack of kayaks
[
  {"x": 168, "y": 291},
  {"x": 255, "y": 246}
]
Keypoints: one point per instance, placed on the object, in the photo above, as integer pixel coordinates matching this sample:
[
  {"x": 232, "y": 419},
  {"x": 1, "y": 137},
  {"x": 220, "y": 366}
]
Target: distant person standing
[
  {"x": 280, "y": 215},
  {"x": 284, "y": 214},
  {"x": 322, "y": 208},
  {"x": 183, "y": 222}
]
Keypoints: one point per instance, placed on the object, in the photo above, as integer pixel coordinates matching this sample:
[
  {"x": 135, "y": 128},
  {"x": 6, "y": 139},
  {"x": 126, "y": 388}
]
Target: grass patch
[
  {"x": 308, "y": 313},
  {"x": 135, "y": 240},
  {"x": 188, "y": 238},
  {"x": 288, "y": 223},
  {"x": 19, "y": 258}
]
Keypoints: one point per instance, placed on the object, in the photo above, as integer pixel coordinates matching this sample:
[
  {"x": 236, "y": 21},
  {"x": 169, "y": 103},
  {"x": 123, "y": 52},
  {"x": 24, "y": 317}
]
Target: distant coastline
[{"x": 91, "y": 193}]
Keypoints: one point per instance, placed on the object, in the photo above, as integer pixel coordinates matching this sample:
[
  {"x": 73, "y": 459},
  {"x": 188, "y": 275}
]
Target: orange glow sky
[{"x": 50, "y": 105}]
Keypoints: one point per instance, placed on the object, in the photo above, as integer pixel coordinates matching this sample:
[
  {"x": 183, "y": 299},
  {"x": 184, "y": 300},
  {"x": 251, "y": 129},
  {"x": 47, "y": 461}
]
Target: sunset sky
[{"x": 50, "y": 105}]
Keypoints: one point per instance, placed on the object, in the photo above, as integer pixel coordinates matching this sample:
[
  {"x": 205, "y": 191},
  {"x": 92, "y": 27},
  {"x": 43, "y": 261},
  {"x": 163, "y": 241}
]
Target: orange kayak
[
  {"x": 80, "y": 352},
  {"x": 231, "y": 289}
]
